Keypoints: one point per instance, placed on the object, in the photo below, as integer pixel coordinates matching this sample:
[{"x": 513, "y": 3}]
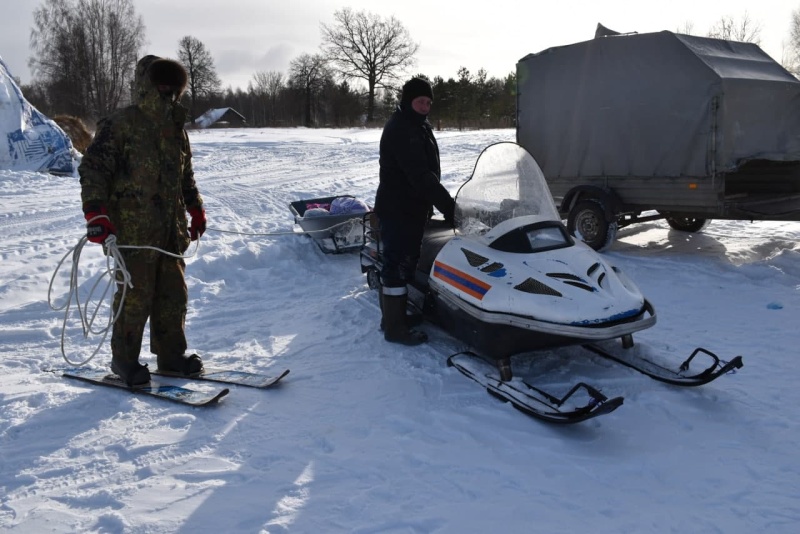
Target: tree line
[
  {"x": 470, "y": 101},
  {"x": 85, "y": 51}
]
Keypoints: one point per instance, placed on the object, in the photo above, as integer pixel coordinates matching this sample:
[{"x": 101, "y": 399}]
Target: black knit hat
[{"x": 416, "y": 87}]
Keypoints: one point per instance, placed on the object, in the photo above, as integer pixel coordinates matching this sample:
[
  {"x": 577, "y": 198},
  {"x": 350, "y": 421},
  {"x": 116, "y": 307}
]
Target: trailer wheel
[
  {"x": 587, "y": 222},
  {"x": 688, "y": 224}
]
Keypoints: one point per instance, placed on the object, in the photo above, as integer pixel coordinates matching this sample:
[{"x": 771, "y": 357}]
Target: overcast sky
[{"x": 247, "y": 36}]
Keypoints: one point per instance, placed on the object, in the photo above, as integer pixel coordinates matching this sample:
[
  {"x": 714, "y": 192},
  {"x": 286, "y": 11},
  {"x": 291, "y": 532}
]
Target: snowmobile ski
[
  {"x": 660, "y": 372},
  {"x": 229, "y": 376},
  {"x": 532, "y": 400},
  {"x": 169, "y": 392}
]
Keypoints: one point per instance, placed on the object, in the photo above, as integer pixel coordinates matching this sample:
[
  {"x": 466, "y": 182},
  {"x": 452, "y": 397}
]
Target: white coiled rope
[{"x": 117, "y": 276}]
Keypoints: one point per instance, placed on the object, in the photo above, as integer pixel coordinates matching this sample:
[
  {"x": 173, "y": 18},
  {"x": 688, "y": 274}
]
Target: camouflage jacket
[{"x": 139, "y": 167}]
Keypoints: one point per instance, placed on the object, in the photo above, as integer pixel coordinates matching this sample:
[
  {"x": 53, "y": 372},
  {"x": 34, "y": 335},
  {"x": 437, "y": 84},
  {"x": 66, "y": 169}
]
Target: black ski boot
[
  {"x": 394, "y": 321},
  {"x": 181, "y": 364},
  {"x": 132, "y": 373}
]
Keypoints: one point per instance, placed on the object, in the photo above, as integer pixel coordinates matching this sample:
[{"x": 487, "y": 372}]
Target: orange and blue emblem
[{"x": 460, "y": 280}]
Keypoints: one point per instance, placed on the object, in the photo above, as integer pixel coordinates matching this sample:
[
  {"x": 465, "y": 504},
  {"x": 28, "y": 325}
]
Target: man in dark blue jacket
[{"x": 409, "y": 188}]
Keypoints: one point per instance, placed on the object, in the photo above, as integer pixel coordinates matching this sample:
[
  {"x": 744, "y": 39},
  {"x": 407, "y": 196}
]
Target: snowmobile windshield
[{"x": 506, "y": 184}]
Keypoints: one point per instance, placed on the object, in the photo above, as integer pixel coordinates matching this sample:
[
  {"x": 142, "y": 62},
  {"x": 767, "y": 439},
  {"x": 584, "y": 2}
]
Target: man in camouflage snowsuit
[{"x": 137, "y": 183}]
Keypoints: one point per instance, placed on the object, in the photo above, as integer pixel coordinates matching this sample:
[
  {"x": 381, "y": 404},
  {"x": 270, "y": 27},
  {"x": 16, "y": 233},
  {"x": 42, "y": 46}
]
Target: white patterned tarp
[{"x": 29, "y": 141}]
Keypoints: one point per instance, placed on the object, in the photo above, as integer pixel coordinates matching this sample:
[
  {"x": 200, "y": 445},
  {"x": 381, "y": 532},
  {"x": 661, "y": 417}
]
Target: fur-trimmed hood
[{"x": 152, "y": 71}]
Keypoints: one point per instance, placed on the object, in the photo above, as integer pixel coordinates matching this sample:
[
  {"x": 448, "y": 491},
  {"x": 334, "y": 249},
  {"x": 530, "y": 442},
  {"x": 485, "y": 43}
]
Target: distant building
[{"x": 219, "y": 118}]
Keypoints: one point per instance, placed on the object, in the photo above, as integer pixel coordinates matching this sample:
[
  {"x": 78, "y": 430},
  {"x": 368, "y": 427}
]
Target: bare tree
[
  {"x": 366, "y": 47},
  {"x": 275, "y": 84},
  {"x": 791, "y": 51},
  {"x": 58, "y": 43},
  {"x": 258, "y": 93},
  {"x": 687, "y": 28},
  {"x": 746, "y": 30},
  {"x": 266, "y": 85},
  {"x": 308, "y": 73},
  {"x": 203, "y": 79},
  {"x": 116, "y": 34},
  {"x": 86, "y": 51}
]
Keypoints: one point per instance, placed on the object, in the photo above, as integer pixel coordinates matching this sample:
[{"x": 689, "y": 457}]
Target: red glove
[
  {"x": 98, "y": 225},
  {"x": 198, "y": 225}
]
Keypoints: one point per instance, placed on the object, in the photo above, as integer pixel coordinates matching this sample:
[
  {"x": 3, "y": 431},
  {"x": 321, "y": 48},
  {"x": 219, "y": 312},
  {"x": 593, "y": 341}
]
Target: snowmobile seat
[{"x": 437, "y": 234}]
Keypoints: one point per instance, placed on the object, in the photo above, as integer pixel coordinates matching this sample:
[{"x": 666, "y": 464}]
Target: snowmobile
[{"x": 510, "y": 279}]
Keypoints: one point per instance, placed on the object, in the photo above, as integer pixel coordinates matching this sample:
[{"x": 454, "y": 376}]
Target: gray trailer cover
[{"x": 656, "y": 104}]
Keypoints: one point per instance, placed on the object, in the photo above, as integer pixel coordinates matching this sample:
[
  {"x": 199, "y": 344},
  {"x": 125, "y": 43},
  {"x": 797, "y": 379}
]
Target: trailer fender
[{"x": 607, "y": 198}]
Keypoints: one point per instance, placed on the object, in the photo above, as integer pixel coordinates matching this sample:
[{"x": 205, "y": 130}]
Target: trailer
[{"x": 635, "y": 127}]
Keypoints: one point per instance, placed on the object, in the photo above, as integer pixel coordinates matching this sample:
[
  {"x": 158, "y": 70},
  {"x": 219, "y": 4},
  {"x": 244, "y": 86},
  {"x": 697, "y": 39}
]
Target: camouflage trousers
[{"x": 159, "y": 293}]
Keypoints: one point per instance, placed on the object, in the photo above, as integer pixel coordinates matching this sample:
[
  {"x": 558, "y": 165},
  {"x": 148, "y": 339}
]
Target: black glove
[{"x": 449, "y": 214}]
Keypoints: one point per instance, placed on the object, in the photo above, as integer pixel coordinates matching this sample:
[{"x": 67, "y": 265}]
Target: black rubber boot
[
  {"x": 394, "y": 321},
  {"x": 412, "y": 320},
  {"x": 181, "y": 364},
  {"x": 133, "y": 374}
]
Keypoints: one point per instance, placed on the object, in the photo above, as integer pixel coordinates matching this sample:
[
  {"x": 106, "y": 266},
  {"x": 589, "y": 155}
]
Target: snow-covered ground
[{"x": 368, "y": 437}]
